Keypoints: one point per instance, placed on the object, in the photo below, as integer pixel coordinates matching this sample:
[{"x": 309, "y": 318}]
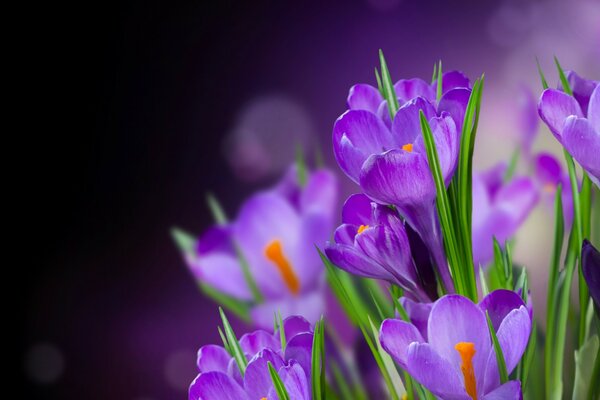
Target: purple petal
[
  {"x": 406, "y": 126},
  {"x": 446, "y": 140},
  {"x": 594, "y": 109},
  {"x": 582, "y": 89},
  {"x": 356, "y": 135},
  {"x": 583, "y": 143},
  {"x": 384, "y": 114},
  {"x": 213, "y": 358},
  {"x": 418, "y": 314},
  {"x": 305, "y": 260},
  {"x": 320, "y": 195},
  {"x": 454, "y": 319},
  {"x": 295, "y": 325},
  {"x": 435, "y": 372},
  {"x": 254, "y": 342},
  {"x": 453, "y": 79},
  {"x": 493, "y": 178},
  {"x": 216, "y": 385},
  {"x": 288, "y": 186},
  {"x": 223, "y": 272},
  {"x": 528, "y": 120},
  {"x": 455, "y": 103},
  {"x": 364, "y": 97},
  {"x": 295, "y": 381},
  {"x": 395, "y": 337},
  {"x": 554, "y": 107},
  {"x": 513, "y": 336},
  {"x": 517, "y": 198},
  {"x": 354, "y": 261},
  {"x": 357, "y": 210},
  {"x": 398, "y": 177},
  {"x": 215, "y": 239},
  {"x": 511, "y": 390},
  {"x": 548, "y": 169},
  {"x": 299, "y": 348},
  {"x": 310, "y": 304},
  {"x": 345, "y": 234},
  {"x": 407, "y": 89},
  {"x": 590, "y": 262},
  {"x": 257, "y": 379},
  {"x": 499, "y": 304}
]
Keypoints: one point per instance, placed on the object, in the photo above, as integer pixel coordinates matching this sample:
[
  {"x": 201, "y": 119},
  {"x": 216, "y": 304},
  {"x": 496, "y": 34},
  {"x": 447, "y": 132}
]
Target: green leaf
[
  {"x": 387, "y": 361},
  {"x": 584, "y": 367},
  {"x": 541, "y": 73},
  {"x": 318, "y": 361},
  {"x": 512, "y": 166},
  {"x": 249, "y": 278},
  {"x": 282, "y": 392},
  {"x": 484, "y": 287},
  {"x": 216, "y": 210},
  {"x": 389, "y": 93},
  {"x": 239, "y": 308},
  {"x": 224, "y": 339},
  {"x": 301, "y": 166},
  {"x": 434, "y": 76},
  {"x": 525, "y": 363},
  {"x": 234, "y": 344},
  {"x": 184, "y": 240},
  {"x": 279, "y": 324},
  {"x": 439, "y": 82},
  {"x": 498, "y": 351},
  {"x": 563, "y": 78},
  {"x": 379, "y": 85}
]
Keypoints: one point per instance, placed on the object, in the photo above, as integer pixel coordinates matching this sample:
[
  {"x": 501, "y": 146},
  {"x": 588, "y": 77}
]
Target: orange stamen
[
  {"x": 361, "y": 229},
  {"x": 549, "y": 187},
  {"x": 407, "y": 147},
  {"x": 274, "y": 253},
  {"x": 467, "y": 351}
]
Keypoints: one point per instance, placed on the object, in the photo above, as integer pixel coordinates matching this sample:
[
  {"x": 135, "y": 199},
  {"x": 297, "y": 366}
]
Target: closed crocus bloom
[
  {"x": 590, "y": 265},
  {"x": 548, "y": 174},
  {"x": 275, "y": 231},
  {"x": 220, "y": 378},
  {"x": 575, "y": 121},
  {"x": 456, "y": 358},
  {"x": 372, "y": 242},
  {"x": 499, "y": 209}
]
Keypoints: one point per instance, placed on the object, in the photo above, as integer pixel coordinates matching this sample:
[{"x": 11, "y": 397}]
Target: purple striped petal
[
  {"x": 406, "y": 126},
  {"x": 554, "y": 107},
  {"x": 357, "y": 210},
  {"x": 213, "y": 358},
  {"x": 407, "y": 89},
  {"x": 364, "y": 97},
  {"x": 594, "y": 109},
  {"x": 216, "y": 385},
  {"x": 583, "y": 143},
  {"x": 396, "y": 336},
  {"x": 455, "y": 103},
  {"x": 511, "y": 390},
  {"x": 257, "y": 379}
]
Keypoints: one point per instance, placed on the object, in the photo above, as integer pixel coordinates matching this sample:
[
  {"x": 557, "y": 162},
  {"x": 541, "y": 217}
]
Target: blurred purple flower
[
  {"x": 455, "y": 358},
  {"x": 548, "y": 174},
  {"x": 527, "y": 119},
  {"x": 575, "y": 121},
  {"x": 388, "y": 159},
  {"x": 220, "y": 378},
  {"x": 372, "y": 242},
  {"x": 499, "y": 209},
  {"x": 590, "y": 265},
  {"x": 276, "y": 232}
]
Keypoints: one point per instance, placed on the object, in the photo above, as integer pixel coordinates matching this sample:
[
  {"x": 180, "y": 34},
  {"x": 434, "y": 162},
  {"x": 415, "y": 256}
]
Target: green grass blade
[
  {"x": 541, "y": 73},
  {"x": 282, "y": 392},
  {"x": 234, "y": 344},
  {"x": 389, "y": 93},
  {"x": 563, "y": 78},
  {"x": 239, "y": 308},
  {"x": 301, "y": 166},
  {"x": 498, "y": 351},
  {"x": 379, "y": 85},
  {"x": 317, "y": 360},
  {"x": 434, "y": 76},
  {"x": 512, "y": 166},
  {"x": 185, "y": 241},
  {"x": 439, "y": 82},
  {"x": 216, "y": 209}
]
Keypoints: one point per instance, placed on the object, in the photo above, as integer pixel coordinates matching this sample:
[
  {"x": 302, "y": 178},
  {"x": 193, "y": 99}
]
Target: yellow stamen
[
  {"x": 407, "y": 147},
  {"x": 263, "y": 398},
  {"x": 467, "y": 351},
  {"x": 362, "y": 228},
  {"x": 549, "y": 187},
  {"x": 404, "y": 396},
  {"x": 274, "y": 253}
]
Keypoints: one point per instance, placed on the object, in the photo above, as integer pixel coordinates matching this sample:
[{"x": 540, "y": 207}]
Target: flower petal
[
  {"x": 499, "y": 304},
  {"x": 354, "y": 261},
  {"x": 554, "y": 107},
  {"x": 455, "y": 103},
  {"x": 223, "y": 272},
  {"x": 443, "y": 130},
  {"x": 406, "y": 126},
  {"x": 364, "y": 97},
  {"x": 582, "y": 89},
  {"x": 257, "y": 379},
  {"x": 356, "y": 135},
  {"x": 213, "y": 358},
  {"x": 590, "y": 262},
  {"x": 453, "y": 79},
  {"x": 254, "y": 342},
  {"x": 320, "y": 195},
  {"x": 294, "y": 325},
  {"x": 418, "y": 313},
  {"x": 216, "y": 385},
  {"x": 357, "y": 210},
  {"x": 299, "y": 348},
  {"x": 310, "y": 304},
  {"x": 434, "y": 372},
  {"x": 594, "y": 109},
  {"x": 295, "y": 381},
  {"x": 407, "y": 89},
  {"x": 395, "y": 336},
  {"x": 583, "y": 143},
  {"x": 511, "y": 390}
]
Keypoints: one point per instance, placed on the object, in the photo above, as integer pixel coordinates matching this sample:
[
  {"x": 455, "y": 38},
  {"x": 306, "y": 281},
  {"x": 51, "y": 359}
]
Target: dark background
[{"x": 127, "y": 106}]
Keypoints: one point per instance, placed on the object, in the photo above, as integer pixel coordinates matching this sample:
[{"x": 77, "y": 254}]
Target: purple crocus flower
[
  {"x": 276, "y": 232},
  {"x": 499, "y": 209},
  {"x": 220, "y": 378},
  {"x": 455, "y": 358},
  {"x": 372, "y": 242},
  {"x": 575, "y": 121},
  {"x": 388, "y": 159},
  {"x": 527, "y": 119},
  {"x": 590, "y": 265},
  {"x": 548, "y": 174}
]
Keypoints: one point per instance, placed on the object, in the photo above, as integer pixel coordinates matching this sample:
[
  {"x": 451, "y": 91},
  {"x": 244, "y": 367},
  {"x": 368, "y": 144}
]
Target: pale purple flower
[
  {"x": 455, "y": 358},
  {"x": 276, "y": 232},
  {"x": 388, "y": 159},
  {"x": 372, "y": 242},
  {"x": 499, "y": 209},
  {"x": 575, "y": 121},
  {"x": 548, "y": 174},
  {"x": 220, "y": 378}
]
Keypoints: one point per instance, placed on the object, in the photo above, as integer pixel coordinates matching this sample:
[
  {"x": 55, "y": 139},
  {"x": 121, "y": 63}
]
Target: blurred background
[{"x": 140, "y": 108}]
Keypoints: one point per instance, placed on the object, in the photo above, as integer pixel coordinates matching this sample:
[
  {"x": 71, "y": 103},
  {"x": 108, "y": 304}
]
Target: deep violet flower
[
  {"x": 575, "y": 121},
  {"x": 454, "y": 358},
  {"x": 499, "y": 209},
  {"x": 220, "y": 378},
  {"x": 276, "y": 231},
  {"x": 590, "y": 264},
  {"x": 548, "y": 174},
  {"x": 388, "y": 159},
  {"x": 372, "y": 242}
]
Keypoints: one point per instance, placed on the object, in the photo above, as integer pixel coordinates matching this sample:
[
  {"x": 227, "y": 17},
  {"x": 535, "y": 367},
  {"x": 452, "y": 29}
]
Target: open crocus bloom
[
  {"x": 455, "y": 359},
  {"x": 575, "y": 121},
  {"x": 590, "y": 265},
  {"x": 498, "y": 209},
  {"x": 548, "y": 174},
  {"x": 372, "y": 242},
  {"x": 220, "y": 378},
  {"x": 276, "y": 232}
]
